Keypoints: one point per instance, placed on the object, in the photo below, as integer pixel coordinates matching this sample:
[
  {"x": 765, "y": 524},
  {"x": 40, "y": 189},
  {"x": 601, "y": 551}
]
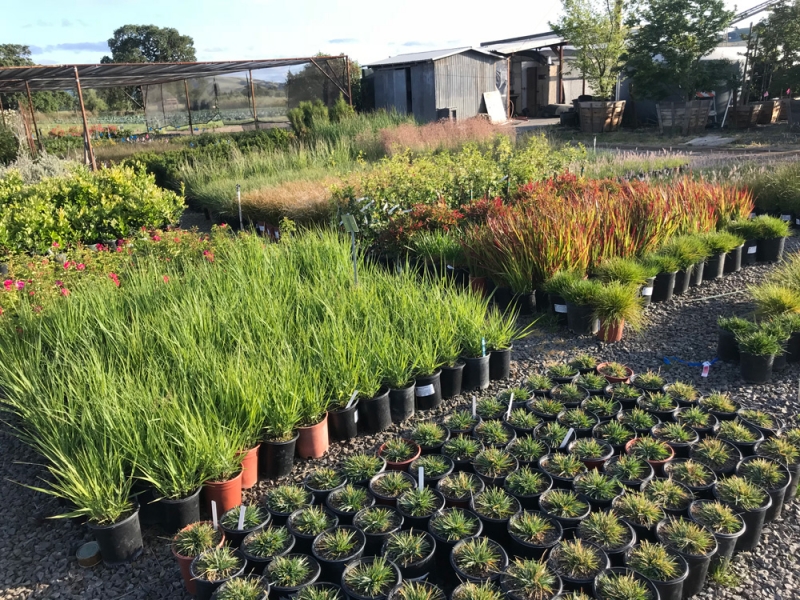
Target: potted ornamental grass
[
  {"x": 554, "y": 434},
  {"x": 461, "y": 422},
  {"x": 720, "y": 405},
  {"x": 605, "y": 408},
  {"x": 591, "y": 452},
  {"x": 319, "y": 591},
  {"x": 546, "y": 409},
  {"x": 213, "y": 568},
  {"x": 723, "y": 522},
  {"x": 242, "y": 588},
  {"x": 615, "y": 372},
  {"x": 478, "y": 559},
  {"x": 639, "y": 420},
  {"x": 741, "y": 435},
  {"x": 585, "y": 363},
  {"x": 417, "y": 506},
  {"x": 640, "y": 512},
  {"x": 490, "y": 408},
  {"x": 360, "y": 468},
  {"x": 493, "y": 465},
  {"x": 750, "y": 502},
  {"x": 540, "y": 384},
  {"x": 697, "y": 418},
  {"x": 412, "y": 551},
  {"x": 430, "y": 437},
  {"x": 346, "y": 501},
  {"x": 757, "y": 352},
  {"x": 624, "y": 393},
  {"x": 312, "y": 429},
  {"x": 719, "y": 455},
  {"x": 377, "y": 523},
  {"x": 291, "y": 573},
  {"x": 434, "y": 468},
  {"x": 462, "y": 450},
  {"x": 526, "y": 579},
  {"x": 335, "y": 547},
  {"x": 527, "y": 450},
  {"x": 569, "y": 394},
  {"x": 679, "y": 437},
  {"x": 769, "y": 425},
  {"x": 614, "y": 434},
  {"x": 607, "y": 530},
  {"x": 307, "y": 523},
  {"x": 577, "y": 562},
  {"x": 695, "y": 543},
  {"x": 417, "y": 590},
  {"x": 261, "y": 547},
  {"x": 696, "y": 476},
  {"x": 787, "y": 452},
  {"x": 771, "y": 239},
  {"x": 685, "y": 394},
  {"x": 526, "y": 485},
  {"x": 450, "y": 526},
  {"x": 477, "y": 591},
  {"x": 189, "y": 543},
  {"x": 670, "y": 495},
  {"x": 650, "y": 381},
  {"x": 390, "y": 485},
  {"x": 457, "y": 488},
  {"x": 659, "y": 404},
  {"x": 520, "y": 395},
  {"x": 666, "y": 569},
  {"x": 494, "y": 433},
  {"x": 399, "y": 453},
  {"x": 495, "y": 507},
  {"x": 620, "y": 582},
  {"x": 283, "y": 500},
  {"x": 769, "y": 475},
  {"x": 615, "y": 306},
  {"x": 633, "y": 472},
  {"x": 654, "y": 451},
  {"x": 718, "y": 244},
  {"x": 237, "y": 528},
  {"x": 727, "y": 329},
  {"x": 598, "y": 488},
  {"x": 579, "y": 420},
  {"x": 323, "y": 481},
  {"x": 563, "y": 372},
  {"x": 533, "y": 533},
  {"x": 563, "y": 468},
  {"x": 521, "y": 421},
  {"x": 567, "y": 507}
]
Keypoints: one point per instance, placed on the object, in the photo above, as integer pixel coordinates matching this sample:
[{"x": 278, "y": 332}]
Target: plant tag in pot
[
  {"x": 560, "y": 308},
  {"x": 706, "y": 368},
  {"x": 567, "y": 439},
  {"x": 786, "y": 218},
  {"x": 421, "y": 478},
  {"x": 425, "y": 390},
  {"x": 510, "y": 404},
  {"x": 241, "y": 517},
  {"x": 647, "y": 291},
  {"x": 475, "y": 406},
  {"x": 352, "y": 398},
  {"x": 752, "y": 249},
  {"x": 214, "y": 514}
]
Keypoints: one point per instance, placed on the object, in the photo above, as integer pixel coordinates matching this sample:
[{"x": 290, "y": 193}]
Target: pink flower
[
  {"x": 37, "y": 309},
  {"x": 100, "y": 247},
  {"x": 114, "y": 278},
  {"x": 156, "y": 238},
  {"x": 67, "y": 265},
  {"x": 177, "y": 240},
  {"x": 209, "y": 256},
  {"x": 8, "y": 284},
  {"x": 64, "y": 292},
  {"x": 80, "y": 266},
  {"x": 20, "y": 285},
  {"x": 55, "y": 245},
  {"x": 59, "y": 283},
  {"x": 119, "y": 248},
  {"x": 31, "y": 293},
  {"x": 166, "y": 279}
]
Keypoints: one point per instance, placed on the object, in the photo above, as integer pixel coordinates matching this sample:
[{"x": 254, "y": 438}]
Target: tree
[
  {"x": 668, "y": 39},
  {"x": 18, "y": 55},
  {"x": 778, "y": 65},
  {"x": 596, "y": 29},
  {"x": 309, "y": 84}
]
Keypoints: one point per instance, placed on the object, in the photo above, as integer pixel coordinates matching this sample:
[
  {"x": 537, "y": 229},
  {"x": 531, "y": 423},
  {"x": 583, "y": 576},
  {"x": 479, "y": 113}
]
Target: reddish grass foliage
[{"x": 442, "y": 135}]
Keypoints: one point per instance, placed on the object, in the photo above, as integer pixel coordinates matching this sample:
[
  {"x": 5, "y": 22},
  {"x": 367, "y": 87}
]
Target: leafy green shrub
[{"x": 9, "y": 146}]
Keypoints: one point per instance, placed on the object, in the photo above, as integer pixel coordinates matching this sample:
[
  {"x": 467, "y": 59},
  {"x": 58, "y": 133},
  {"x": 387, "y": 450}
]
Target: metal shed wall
[
  {"x": 461, "y": 81},
  {"x": 390, "y": 90},
  {"x": 423, "y": 92}
]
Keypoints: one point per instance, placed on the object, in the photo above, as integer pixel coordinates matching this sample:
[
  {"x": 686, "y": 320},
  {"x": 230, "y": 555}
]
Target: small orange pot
[
  {"x": 403, "y": 465},
  {"x": 610, "y": 333},
  {"x": 227, "y": 494},
  {"x": 658, "y": 465},
  {"x": 250, "y": 468},
  {"x": 312, "y": 442},
  {"x": 184, "y": 562},
  {"x": 611, "y": 379}
]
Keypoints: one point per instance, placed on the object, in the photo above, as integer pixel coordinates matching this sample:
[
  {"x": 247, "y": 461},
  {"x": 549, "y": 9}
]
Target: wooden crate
[
  {"x": 601, "y": 117},
  {"x": 744, "y": 117},
  {"x": 770, "y": 111},
  {"x": 691, "y": 117}
]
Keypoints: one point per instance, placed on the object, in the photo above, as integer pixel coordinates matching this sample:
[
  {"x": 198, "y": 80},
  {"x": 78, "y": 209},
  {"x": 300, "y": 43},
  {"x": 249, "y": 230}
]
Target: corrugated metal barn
[{"x": 432, "y": 85}]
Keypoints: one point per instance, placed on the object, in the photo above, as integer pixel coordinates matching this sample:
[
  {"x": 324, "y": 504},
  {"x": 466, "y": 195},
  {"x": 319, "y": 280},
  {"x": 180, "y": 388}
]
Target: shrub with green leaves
[
  {"x": 493, "y": 433},
  {"x": 602, "y": 407},
  {"x": 691, "y": 473},
  {"x": 337, "y": 543},
  {"x": 568, "y": 393},
  {"x": 324, "y": 478},
  {"x": 764, "y": 473},
  {"x": 625, "y": 391},
  {"x": 736, "y": 431},
  {"x": 533, "y": 528},
  {"x": 649, "y": 380},
  {"x": 435, "y": 465},
  {"x": 520, "y": 395},
  {"x": 540, "y": 383},
  {"x": 637, "y": 418},
  {"x": 758, "y": 418},
  {"x": 428, "y": 435},
  {"x": 562, "y": 370},
  {"x": 577, "y": 418},
  {"x": 242, "y": 588},
  {"x": 489, "y": 408},
  {"x": 694, "y": 416},
  {"x": 719, "y": 402},
  {"x": 675, "y": 433},
  {"x": 562, "y": 465},
  {"x": 311, "y": 521},
  {"x": 780, "y": 449},
  {"x": 614, "y": 369},
  {"x": 522, "y": 419},
  {"x": 477, "y": 591},
  {"x": 589, "y": 448},
  {"x": 398, "y": 450},
  {"x": 658, "y": 402},
  {"x": 547, "y": 406},
  {"x": 413, "y": 590},
  {"x": 377, "y": 519}
]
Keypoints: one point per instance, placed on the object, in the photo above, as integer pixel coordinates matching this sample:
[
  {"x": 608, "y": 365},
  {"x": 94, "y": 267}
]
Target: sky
[{"x": 76, "y": 31}]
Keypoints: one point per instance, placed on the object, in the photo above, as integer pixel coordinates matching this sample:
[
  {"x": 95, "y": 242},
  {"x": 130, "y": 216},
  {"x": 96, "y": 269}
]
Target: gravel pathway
[{"x": 37, "y": 554}]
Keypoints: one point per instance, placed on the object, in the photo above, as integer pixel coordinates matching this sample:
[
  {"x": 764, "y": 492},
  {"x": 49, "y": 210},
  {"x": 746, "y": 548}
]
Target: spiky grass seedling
[
  {"x": 686, "y": 536},
  {"x": 478, "y": 557},
  {"x": 658, "y": 402},
  {"x": 780, "y": 449},
  {"x": 668, "y": 493},
  {"x": 714, "y": 453},
  {"x": 740, "y": 493},
  {"x": 552, "y": 433},
  {"x": 764, "y": 473},
  {"x": 435, "y": 465},
  {"x": 495, "y": 462},
  {"x": 527, "y": 448},
  {"x": 336, "y": 544},
  {"x": 371, "y": 578},
  {"x": 392, "y": 484},
  {"x": 654, "y": 561},
  {"x": 614, "y": 433},
  {"x": 360, "y": 467},
  {"x": 407, "y": 547},
  {"x": 546, "y": 406},
  {"x": 602, "y": 407},
  {"x": 563, "y": 465},
  {"x": 413, "y": 590},
  {"x": 694, "y": 417},
  {"x": 568, "y": 393},
  {"x": 493, "y": 433},
  {"x": 397, "y": 450},
  {"x": 605, "y": 529},
  {"x": 454, "y": 524},
  {"x": 591, "y": 381},
  {"x": 253, "y": 517},
  {"x": 589, "y": 448},
  {"x": 311, "y": 520},
  {"x": 622, "y": 586},
  {"x": 460, "y": 420},
  {"x": 195, "y": 540},
  {"x": 559, "y": 371},
  {"x": 349, "y": 499},
  {"x": 496, "y": 503},
  {"x": 324, "y": 478},
  {"x": 563, "y": 503},
  {"x": 526, "y": 482},
  {"x": 217, "y": 564},
  {"x": 639, "y": 509},
  {"x": 459, "y": 486},
  {"x": 241, "y": 588},
  {"x": 598, "y": 486},
  {"x": 627, "y": 468},
  {"x": 577, "y": 418},
  {"x": 319, "y": 591},
  {"x": 674, "y": 432},
  {"x": 477, "y": 591},
  {"x": 718, "y": 517},
  {"x": 650, "y": 449},
  {"x": 540, "y": 383},
  {"x": 736, "y": 431},
  {"x": 683, "y": 391},
  {"x": 461, "y": 448},
  {"x": 428, "y": 435},
  {"x": 268, "y": 542},
  {"x": 286, "y": 499},
  {"x": 650, "y": 380},
  {"x": 724, "y": 576},
  {"x": 583, "y": 362},
  {"x": 614, "y": 369},
  {"x": 523, "y": 419},
  {"x": 520, "y": 395},
  {"x": 532, "y": 527},
  {"x": 691, "y": 473},
  {"x": 575, "y": 559},
  {"x": 718, "y": 402},
  {"x": 376, "y": 519},
  {"x": 625, "y": 391},
  {"x": 638, "y": 419},
  {"x": 758, "y": 417},
  {"x": 490, "y": 408},
  {"x": 530, "y": 579},
  {"x": 419, "y": 502}
]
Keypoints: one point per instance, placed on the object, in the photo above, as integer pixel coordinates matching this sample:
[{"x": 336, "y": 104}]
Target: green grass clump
[
  {"x": 407, "y": 547},
  {"x": 685, "y": 536},
  {"x": 454, "y": 524},
  {"x": 217, "y": 564},
  {"x": 605, "y": 529},
  {"x": 268, "y": 542},
  {"x": 718, "y": 517},
  {"x": 530, "y": 579},
  {"x": 196, "y": 540},
  {"x": 575, "y": 559},
  {"x": 563, "y": 503},
  {"x": 371, "y": 578},
  {"x": 598, "y": 486},
  {"x": 532, "y": 527},
  {"x": 740, "y": 493},
  {"x": 617, "y": 586},
  {"x": 667, "y": 493},
  {"x": 654, "y": 561},
  {"x": 639, "y": 509}
]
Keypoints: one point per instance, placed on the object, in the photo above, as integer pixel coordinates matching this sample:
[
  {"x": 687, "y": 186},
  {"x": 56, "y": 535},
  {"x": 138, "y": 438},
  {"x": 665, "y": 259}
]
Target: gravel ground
[{"x": 37, "y": 554}]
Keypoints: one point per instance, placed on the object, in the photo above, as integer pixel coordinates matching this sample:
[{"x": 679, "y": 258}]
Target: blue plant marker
[{"x": 483, "y": 346}]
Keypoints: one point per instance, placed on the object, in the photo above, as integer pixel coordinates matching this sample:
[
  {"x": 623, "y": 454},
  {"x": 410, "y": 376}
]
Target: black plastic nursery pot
[
  {"x": 121, "y": 542},
  {"x": 452, "y": 379},
  {"x": 793, "y": 348},
  {"x": 234, "y": 537},
  {"x": 542, "y": 301},
  {"x": 524, "y": 303},
  {"x": 401, "y": 403},
  {"x": 277, "y": 592},
  {"x": 527, "y": 549},
  {"x": 733, "y": 261},
  {"x": 331, "y": 569},
  {"x": 476, "y": 373},
  {"x": 663, "y": 287},
  {"x": 616, "y": 556},
  {"x": 726, "y": 542},
  {"x": 353, "y": 595},
  {"x": 749, "y": 252},
  {"x": 177, "y": 514},
  {"x": 756, "y": 369},
  {"x": 421, "y": 523},
  {"x": 727, "y": 346},
  {"x": 714, "y": 266},
  {"x": 653, "y": 591},
  {"x": 770, "y": 250},
  {"x": 205, "y": 587},
  {"x": 574, "y": 584},
  {"x": 428, "y": 392},
  {"x": 777, "y": 494},
  {"x": 421, "y": 568},
  {"x": 374, "y": 414},
  {"x": 698, "y": 566},
  {"x": 303, "y": 541},
  {"x": 343, "y": 423},
  {"x": 502, "y": 297},
  {"x": 754, "y": 524},
  {"x": 646, "y": 291},
  {"x": 672, "y": 589},
  {"x": 374, "y": 541},
  {"x": 257, "y": 564},
  {"x": 531, "y": 501},
  {"x": 558, "y": 308},
  {"x": 791, "y": 493},
  {"x": 581, "y": 320},
  {"x": 276, "y": 459},
  {"x": 699, "y": 270},
  {"x": 464, "y": 576},
  {"x": 500, "y": 364},
  {"x": 149, "y": 507},
  {"x": 683, "y": 279}
]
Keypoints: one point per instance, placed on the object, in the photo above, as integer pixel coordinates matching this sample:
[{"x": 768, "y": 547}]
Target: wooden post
[
  {"x": 87, "y": 139},
  {"x": 188, "y": 107},
  {"x": 28, "y": 136},
  {"x": 560, "y": 92},
  {"x": 163, "y": 110},
  {"x": 3, "y": 112},
  {"x": 33, "y": 118},
  {"x": 349, "y": 84},
  {"x": 253, "y": 99},
  {"x": 508, "y": 87}
]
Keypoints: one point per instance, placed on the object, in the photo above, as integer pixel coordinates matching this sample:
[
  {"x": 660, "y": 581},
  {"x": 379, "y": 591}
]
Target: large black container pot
[
  {"x": 756, "y": 369},
  {"x": 331, "y": 569},
  {"x": 699, "y": 270},
  {"x": 542, "y": 300},
  {"x": 401, "y": 403},
  {"x": 727, "y": 346},
  {"x": 524, "y": 303},
  {"x": 672, "y": 589},
  {"x": 420, "y": 568},
  {"x": 714, "y": 266},
  {"x": 646, "y": 291},
  {"x": 276, "y": 459},
  {"x": 121, "y": 542},
  {"x": 149, "y": 507},
  {"x": 777, "y": 494},
  {"x": 205, "y": 587},
  {"x": 753, "y": 523},
  {"x": 770, "y": 250},
  {"x": 580, "y": 584},
  {"x": 558, "y": 308},
  {"x": 793, "y": 348},
  {"x": 257, "y": 564},
  {"x": 374, "y": 541},
  {"x": 235, "y": 537},
  {"x": 343, "y": 423},
  {"x": 682, "y": 280},
  {"x": 374, "y": 414},
  {"x": 726, "y": 542},
  {"x": 476, "y": 373},
  {"x": 733, "y": 261},
  {"x": 177, "y": 514},
  {"x": 502, "y": 297},
  {"x": 452, "y": 379},
  {"x": 581, "y": 320},
  {"x": 749, "y": 252},
  {"x": 428, "y": 392},
  {"x": 500, "y": 364},
  {"x": 698, "y": 565},
  {"x": 781, "y": 359},
  {"x": 663, "y": 287}
]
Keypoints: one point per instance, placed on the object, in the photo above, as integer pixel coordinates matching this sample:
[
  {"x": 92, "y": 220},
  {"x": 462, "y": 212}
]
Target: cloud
[
  {"x": 343, "y": 41},
  {"x": 72, "y": 47},
  {"x": 414, "y": 44},
  {"x": 215, "y": 49},
  {"x": 66, "y": 23}
]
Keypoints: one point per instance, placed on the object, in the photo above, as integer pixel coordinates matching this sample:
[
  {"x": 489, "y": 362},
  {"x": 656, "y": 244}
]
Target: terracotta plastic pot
[
  {"x": 226, "y": 494},
  {"x": 312, "y": 441},
  {"x": 250, "y": 468},
  {"x": 403, "y": 465},
  {"x": 658, "y": 465},
  {"x": 611, "y": 379},
  {"x": 610, "y": 333},
  {"x": 185, "y": 562}
]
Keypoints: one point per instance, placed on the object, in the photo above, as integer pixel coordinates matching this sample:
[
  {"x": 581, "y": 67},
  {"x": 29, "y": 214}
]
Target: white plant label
[
  {"x": 421, "y": 478},
  {"x": 567, "y": 438},
  {"x": 241, "y": 517},
  {"x": 752, "y": 249},
  {"x": 706, "y": 369},
  {"x": 355, "y": 417},
  {"x": 560, "y": 308},
  {"x": 786, "y": 218},
  {"x": 474, "y": 407},
  {"x": 796, "y": 221},
  {"x": 510, "y": 404},
  {"x": 425, "y": 390},
  {"x": 647, "y": 291},
  {"x": 752, "y": 215},
  {"x": 450, "y": 267},
  {"x": 214, "y": 514},
  {"x": 352, "y": 398}
]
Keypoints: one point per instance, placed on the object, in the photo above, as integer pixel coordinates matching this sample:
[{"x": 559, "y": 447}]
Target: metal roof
[
  {"x": 524, "y": 43},
  {"x": 416, "y": 57},
  {"x": 62, "y": 77}
]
